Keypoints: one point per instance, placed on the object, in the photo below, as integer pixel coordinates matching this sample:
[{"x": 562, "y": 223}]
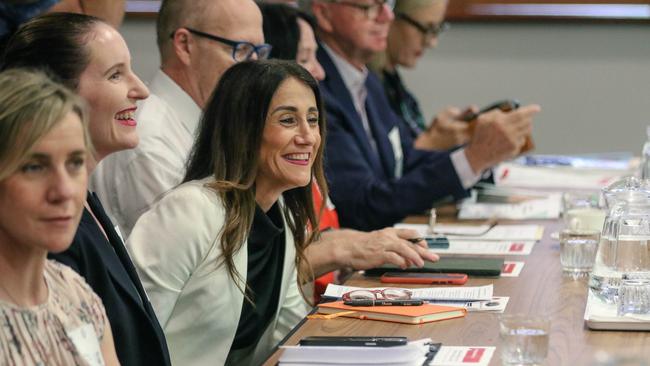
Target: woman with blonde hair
[
  {"x": 48, "y": 314},
  {"x": 91, "y": 57},
  {"x": 416, "y": 27}
]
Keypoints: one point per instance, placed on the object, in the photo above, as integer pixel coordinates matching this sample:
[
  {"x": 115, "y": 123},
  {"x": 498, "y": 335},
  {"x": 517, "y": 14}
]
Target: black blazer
[
  {"x": 107, "y": 268},
  {"x": 364, "y": 184}
]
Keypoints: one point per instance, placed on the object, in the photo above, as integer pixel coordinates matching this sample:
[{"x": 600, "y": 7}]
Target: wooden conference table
[{"x": 539, "y": 289}]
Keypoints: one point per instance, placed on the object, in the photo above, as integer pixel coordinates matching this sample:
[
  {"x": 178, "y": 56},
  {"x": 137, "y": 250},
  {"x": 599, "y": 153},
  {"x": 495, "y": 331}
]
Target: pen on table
[
  {"x": 383, "y": 302},
  {"x": 438, "y": 242}
]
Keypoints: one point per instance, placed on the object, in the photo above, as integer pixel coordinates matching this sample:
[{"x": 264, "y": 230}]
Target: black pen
[
  {"x": 383, "y": 302},
  {"x": 436, "y": 242}
]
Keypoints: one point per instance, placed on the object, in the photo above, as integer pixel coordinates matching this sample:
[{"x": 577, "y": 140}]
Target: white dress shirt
[
  {"x": 176, "y": 249},
  {"x": 354, "y": 80},
  {"x": 128, "y": 182}
]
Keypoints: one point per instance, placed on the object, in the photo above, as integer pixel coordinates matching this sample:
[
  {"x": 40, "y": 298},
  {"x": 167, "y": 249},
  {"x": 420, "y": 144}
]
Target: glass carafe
[{"x": 624, "y": 244}]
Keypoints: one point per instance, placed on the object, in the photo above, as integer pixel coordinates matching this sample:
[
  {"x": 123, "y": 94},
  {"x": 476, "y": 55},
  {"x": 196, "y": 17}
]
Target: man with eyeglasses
[
  {"x": 376, "y": 176},
  {"x": 198, "y": 41}
]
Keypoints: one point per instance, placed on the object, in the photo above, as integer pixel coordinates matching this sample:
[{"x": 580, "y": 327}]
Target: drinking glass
[
  {"x": 634, "y": 295},
  {"x": 524, "y": 339},
  {"x": 582, "y": 211},
  {"x": 578, "y": 251}
]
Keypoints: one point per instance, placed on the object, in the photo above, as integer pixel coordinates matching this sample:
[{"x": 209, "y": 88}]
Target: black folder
[{"x": 471, "y": 266}]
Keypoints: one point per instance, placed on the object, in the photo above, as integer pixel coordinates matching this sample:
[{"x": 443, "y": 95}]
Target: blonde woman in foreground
[{"x": 48, "y": 314}]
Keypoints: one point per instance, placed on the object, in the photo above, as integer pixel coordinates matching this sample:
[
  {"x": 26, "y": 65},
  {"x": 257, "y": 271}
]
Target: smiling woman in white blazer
[{"x": 218, "y": 254}]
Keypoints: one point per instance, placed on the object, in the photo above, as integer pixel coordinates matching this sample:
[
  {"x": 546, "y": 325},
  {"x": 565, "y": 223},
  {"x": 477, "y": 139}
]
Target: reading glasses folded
[{"x": 380, "y": 294}]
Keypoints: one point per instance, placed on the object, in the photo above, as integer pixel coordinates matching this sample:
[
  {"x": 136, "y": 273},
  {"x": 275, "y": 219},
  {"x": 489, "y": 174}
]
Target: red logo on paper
[
  {"x": 516, "y": 247},
  {"x": 474, "y": 355},
  {"x": 508, "y": 268}
]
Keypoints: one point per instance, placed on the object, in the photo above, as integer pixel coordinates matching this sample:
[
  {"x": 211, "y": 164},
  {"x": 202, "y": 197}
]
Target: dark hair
[
  {"x": 52, "y": 42},
  {"x": 281, "y": 29},
  {"x": 228, "y": 146}
]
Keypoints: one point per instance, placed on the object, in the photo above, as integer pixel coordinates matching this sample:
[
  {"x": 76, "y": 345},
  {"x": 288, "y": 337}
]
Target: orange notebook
[{"x": 400, "y": 314}]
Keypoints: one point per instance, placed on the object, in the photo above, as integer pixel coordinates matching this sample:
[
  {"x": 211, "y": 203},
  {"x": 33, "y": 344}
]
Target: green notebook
[{"x": 472, "y": 266}]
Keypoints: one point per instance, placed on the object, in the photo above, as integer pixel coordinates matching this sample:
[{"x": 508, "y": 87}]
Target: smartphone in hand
[
  {"x": 505, "y": 105},
  {"x": 424, "y": 278}
]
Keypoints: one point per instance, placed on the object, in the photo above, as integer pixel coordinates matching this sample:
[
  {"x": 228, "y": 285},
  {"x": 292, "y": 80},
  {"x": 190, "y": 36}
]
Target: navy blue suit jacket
[
  {"x": 107, "y": 268},
  {"x": 363, "y": 183}
]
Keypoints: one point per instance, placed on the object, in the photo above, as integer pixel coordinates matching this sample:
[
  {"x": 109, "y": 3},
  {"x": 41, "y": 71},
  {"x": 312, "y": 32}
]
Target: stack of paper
[
  {"x": 415, "y": 353},
  {"x": 556, "y": 178},
  {"x": 412, "y": 354}
]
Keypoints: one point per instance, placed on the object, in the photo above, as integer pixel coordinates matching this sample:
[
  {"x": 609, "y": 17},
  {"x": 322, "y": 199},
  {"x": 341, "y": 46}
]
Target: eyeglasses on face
[
  {"x": 241, "y": 50},
  {"x": 372, "y": 10},
  {"x": 428, "y": 31}
]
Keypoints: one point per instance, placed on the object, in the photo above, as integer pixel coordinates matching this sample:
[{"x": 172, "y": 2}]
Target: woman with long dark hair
[
  {"x": 291, "y": 34},
  {"x": 221, "y": 256}
]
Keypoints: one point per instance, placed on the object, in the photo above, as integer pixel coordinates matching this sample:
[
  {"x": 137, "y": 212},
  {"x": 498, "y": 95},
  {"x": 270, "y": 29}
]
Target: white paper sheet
[
  {"x": 461, "y": 293},
  {"x": 545, "y": 208},
  {"x": 463, "y": 356},
  {"x": 496, "y": 305},
  {"x": 558, "y": 178},
  {"x": 480, "y": 232},
  {"x": 457, "y": 246},
  {"x": 511, "y": 269}
]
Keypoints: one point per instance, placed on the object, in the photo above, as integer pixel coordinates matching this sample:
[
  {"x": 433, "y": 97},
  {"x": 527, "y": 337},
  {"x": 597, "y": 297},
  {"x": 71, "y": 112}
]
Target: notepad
[{"x": 400, "y": 314}]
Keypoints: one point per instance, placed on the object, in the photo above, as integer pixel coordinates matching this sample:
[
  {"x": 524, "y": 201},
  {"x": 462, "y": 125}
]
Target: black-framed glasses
[
  {"x": 241, "y": 50},
  {"x": 372, "y": 10},
  {"x": 428, "y": 31}
]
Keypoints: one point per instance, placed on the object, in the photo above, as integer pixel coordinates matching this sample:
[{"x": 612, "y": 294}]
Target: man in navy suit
[{"x": 376, "y": 176}]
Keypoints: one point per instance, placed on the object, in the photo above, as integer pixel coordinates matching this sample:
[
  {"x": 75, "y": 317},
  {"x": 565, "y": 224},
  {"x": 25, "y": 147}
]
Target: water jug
[{"x": 624, "y": 244}]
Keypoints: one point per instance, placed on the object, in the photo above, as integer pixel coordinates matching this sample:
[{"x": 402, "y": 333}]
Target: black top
[
  {"x": 106, "y": 266},
  {"x": 403, "y": 102},
  {"x": 266, "y": 245}
]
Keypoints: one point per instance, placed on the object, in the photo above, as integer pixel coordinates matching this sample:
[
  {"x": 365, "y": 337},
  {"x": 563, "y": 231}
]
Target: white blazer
[{"x": 175, "y": 247}]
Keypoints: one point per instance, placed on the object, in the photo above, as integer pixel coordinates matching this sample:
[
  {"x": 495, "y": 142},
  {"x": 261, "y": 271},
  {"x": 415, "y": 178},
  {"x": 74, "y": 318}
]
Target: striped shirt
[{"x": 66, "y": 329}]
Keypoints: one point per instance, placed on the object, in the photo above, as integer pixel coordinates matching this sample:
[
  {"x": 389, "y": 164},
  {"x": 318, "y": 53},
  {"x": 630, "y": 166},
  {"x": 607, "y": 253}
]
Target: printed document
[
  {"x": 461, "y": 293},
  {"x": 480, "y": 232}
]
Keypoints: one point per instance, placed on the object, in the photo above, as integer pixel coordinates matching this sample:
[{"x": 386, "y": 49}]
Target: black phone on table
[{"x": 353, "y": 341}]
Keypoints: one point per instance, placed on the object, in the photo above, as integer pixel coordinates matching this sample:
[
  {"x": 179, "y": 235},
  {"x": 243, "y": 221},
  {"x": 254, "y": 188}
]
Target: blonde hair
[
  {"x": 31, "y": 104},
  {"x": 408, "y": 7}
]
